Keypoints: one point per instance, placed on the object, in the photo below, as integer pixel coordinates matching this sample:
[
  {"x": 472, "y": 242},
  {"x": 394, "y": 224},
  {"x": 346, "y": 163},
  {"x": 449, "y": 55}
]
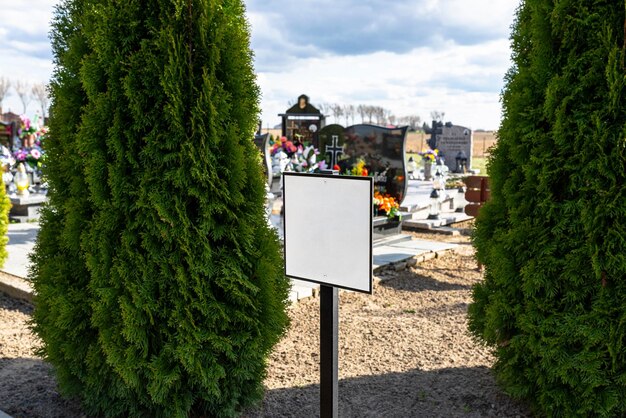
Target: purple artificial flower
[{"x": 20, "y": 155}]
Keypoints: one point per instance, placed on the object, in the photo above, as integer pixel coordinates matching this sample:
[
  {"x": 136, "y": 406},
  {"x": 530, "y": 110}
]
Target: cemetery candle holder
[
  {"x": 435, "y": 205},
  {"x": 428, "y": 169},
  {"x": 438, "y": 182},
  {"x": 460, "y": 204},
  {"x": 21, "y": 180}
]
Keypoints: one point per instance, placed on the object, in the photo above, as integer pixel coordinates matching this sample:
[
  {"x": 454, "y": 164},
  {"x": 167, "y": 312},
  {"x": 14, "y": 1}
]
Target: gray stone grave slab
[
  {"x": 392, "y": 254},
  {"x": 26, "y": 208},
  {"x": 424, "y": 246},
  {"x": 444, "y": 220},
  {"x": 301, "y": 289},
  {"x": 22, "y": 239}
]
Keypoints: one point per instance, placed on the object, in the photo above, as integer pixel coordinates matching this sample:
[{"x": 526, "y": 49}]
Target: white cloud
[
  {"x": 24, "y": 46},
  {"x": 410, "y": 56},
  {"x": 450, "y": 79}
]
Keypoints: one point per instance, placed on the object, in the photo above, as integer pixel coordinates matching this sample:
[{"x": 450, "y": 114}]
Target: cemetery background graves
[{"x": 22, "y": 155}]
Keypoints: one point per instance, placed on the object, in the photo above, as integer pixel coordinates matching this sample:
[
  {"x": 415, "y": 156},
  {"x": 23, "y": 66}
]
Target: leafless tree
[
  {"x": 391, "y": 119},
  {"x": 337, "y": 110},
  {"x": 22, "y": 89},
  {"x": 362, "y": 112},
  {"x": 412, "y": 121},
  {"x": 369, "y": 112},
  {"x": 437, "y": 115},
  {"x": 385, "y": 116},
  {"x": 379, "y": 113},
  {"x": 40, "y": 93},
  {"x": 348, "y": 112},
  {"x": 5, "y": 85}
]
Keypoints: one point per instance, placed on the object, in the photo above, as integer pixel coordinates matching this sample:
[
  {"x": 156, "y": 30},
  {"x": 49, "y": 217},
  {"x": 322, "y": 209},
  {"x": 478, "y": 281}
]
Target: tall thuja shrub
[
  {"x": 62, "y": 317},
  {"x": 553, "y": 236},
  {"x": 5, "y": 207},
  {"x": 177, "y": 278}
]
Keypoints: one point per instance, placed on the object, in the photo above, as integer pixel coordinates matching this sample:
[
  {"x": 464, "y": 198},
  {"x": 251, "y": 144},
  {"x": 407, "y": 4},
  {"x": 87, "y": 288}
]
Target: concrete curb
[{"x": 15, "y": 287}]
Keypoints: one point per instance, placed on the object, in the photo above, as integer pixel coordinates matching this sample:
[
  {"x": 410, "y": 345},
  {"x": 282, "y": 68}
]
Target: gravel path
[{"x": 404, "y": 352}]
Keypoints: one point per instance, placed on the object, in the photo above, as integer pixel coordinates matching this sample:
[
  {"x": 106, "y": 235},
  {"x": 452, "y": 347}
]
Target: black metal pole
[{"x": 329, "y": 363}]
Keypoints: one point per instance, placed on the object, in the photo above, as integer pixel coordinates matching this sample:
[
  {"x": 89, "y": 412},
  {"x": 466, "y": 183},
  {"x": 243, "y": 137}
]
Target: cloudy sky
[{"x": 409, "y": 56}]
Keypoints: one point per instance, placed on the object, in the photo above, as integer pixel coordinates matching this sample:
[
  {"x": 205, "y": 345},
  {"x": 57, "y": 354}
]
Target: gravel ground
[{"x": 403, "y": 352}]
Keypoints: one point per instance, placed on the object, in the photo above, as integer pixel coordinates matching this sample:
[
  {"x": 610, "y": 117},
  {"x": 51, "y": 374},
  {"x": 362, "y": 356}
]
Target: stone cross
[{"x": 334, "y": 150}]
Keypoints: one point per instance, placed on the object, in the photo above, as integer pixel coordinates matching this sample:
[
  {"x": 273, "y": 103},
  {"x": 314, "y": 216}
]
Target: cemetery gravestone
[
  {"x": 381, "y": 149},
  {"x": 262, "y": 142},
  {"x": 302, "y": 121},
  {"x": 453, "y": 142}
]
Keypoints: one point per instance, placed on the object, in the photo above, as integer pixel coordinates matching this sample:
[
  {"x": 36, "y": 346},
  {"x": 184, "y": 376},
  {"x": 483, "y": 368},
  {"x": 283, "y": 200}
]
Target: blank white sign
[{"x": 328, "y": 229}]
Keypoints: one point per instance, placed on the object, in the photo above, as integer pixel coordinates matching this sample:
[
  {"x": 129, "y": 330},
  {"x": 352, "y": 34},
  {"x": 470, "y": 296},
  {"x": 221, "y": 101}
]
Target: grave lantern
[
  {"x": 439, "y": 181},
  {"x": 21, "y": 180},
  {"x": 461, "y": 162},
  {"x": 435, "y": 205},
  {"x": 460, "y": 199}
]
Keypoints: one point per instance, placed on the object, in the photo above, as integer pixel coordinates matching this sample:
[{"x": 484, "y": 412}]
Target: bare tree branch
[
  {"x": 22, "y": 89},
  {"x": 40, "y": 93},
  {"x": 337, "y": 111},
  {"x": 361, "y": 109},
  {"x": 5, "y": 85}
]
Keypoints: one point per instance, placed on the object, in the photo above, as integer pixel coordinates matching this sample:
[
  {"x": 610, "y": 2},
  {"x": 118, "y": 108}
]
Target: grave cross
[{"x": 334, "y": 150}]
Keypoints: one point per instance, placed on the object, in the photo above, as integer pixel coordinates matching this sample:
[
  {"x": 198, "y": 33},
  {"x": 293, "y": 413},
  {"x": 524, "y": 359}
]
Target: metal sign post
[
  {"x": 337, "y": 210},
  {"x": 329, "y": 351}
]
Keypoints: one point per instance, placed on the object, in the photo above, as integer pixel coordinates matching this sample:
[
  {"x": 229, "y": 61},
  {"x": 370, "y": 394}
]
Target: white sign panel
[{"x": 328, "y": 229}]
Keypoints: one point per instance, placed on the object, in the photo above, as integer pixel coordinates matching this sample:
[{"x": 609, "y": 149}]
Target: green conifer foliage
[
  {"x": 5, "y": 208},
  {"x": 160, "y": 286},
  {"x": 553, "y": 237}
]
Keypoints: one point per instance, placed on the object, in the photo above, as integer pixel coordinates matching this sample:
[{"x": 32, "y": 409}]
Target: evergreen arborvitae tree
[
  {"x": 553, "y": 236},
  {"x": 160, "y": 286},
  {"x": 5, "y": 208}
]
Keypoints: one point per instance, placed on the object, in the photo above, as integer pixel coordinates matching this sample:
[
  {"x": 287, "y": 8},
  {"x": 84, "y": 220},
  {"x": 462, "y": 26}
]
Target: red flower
[
  {"x": 336, "y": 167},
  {"x": 290, "y": 147},
  {"x": 364, "y": 173}
]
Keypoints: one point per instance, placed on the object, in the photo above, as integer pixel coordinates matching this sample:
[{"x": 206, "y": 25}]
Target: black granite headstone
[
  {"x": 262, "y": 141},
  {"x": 302, "y": 121},
  {"x": 382, "y": 150}
]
